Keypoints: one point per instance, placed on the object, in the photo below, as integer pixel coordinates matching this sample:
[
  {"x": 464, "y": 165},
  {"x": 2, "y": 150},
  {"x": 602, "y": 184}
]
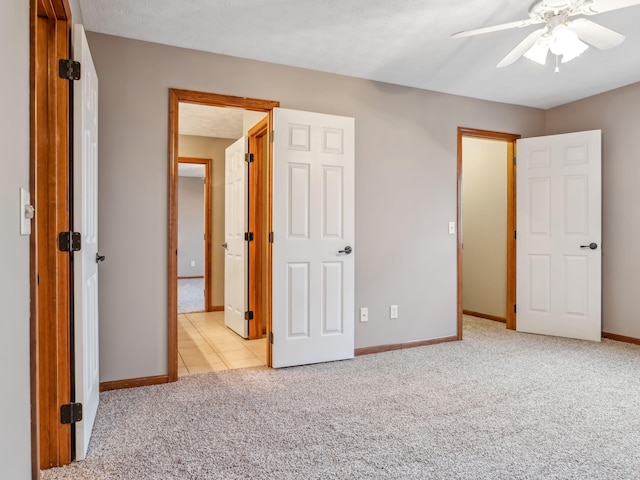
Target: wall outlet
[
  {"x": 364, "y": 314},
  {"x": 393, "y": 311},
  {"x": 193, "y": 263}
]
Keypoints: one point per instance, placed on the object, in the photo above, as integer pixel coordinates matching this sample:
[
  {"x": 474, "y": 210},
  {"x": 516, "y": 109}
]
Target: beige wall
[
  {"x": 484, "y": 226},
  {"x": 405, "y": 189},
  {"x": 206, "y": 147},
  {"x": 616, "y": 114},
  {"x": 191, "y": 211},
  {"x": 15, "y": 413}
]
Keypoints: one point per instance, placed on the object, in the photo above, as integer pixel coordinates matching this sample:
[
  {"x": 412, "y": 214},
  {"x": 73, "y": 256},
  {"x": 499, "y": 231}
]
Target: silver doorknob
[
  {"x": 346, "y": 250},
  {"x": 592, "y": 246}
]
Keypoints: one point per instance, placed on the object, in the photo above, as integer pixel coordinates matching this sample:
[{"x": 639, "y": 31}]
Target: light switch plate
[
  {"x": 452, "y": 228},
  {"x": 364, "y": 314},
  {"x": 25, "y": 221}
]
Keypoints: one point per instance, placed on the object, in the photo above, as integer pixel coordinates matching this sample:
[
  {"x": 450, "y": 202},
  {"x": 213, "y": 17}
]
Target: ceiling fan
[{"x": 563, "y": 37}]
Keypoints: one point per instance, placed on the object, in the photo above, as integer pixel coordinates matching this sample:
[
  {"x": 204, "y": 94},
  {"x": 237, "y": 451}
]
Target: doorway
[
  {"x": 491, "y": 221},
  {"x": 200, "y": 327},
  {"x": 194, "y": 234}
]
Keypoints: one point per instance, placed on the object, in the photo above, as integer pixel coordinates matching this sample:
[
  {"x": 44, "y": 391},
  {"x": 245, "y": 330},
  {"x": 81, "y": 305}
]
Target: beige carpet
[
  {"x": 498, "y": 405},
  {"x": 190, "y": 295}
]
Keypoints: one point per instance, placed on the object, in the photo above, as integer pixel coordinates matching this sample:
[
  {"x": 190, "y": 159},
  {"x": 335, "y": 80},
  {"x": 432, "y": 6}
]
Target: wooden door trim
[
  {"x": 268, "y": 315},
  {"x": 510, "y": 138},
  {"x": 208, "y": 209},
  {"x": 177, "y": 96},
  {"x": 50, "y": 270},
  {"x": 256, "y": 225}
]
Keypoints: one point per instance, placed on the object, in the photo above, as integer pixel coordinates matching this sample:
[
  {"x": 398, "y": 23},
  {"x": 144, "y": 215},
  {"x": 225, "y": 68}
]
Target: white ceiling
[
  {"x": 402, "y": 42},
  {"x": 191, "y": 170},
  {"x": 207, "y": 121}
]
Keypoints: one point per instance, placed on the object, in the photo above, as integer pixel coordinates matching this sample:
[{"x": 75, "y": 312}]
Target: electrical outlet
[
  {"x": 364, "y": 314},
  {"x": 393, "y": 311}
]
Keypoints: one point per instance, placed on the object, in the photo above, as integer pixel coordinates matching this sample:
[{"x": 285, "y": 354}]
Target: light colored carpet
[
  {"x": 498, "y": 405},
  {"x": 190, "y": 295}
]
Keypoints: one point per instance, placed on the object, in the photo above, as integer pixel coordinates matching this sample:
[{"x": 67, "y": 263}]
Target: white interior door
[
  {"x": 313, "y": 221},
  {"x": 559, "y": 235},
  {"x": 235, "y": 226},
  {"x": 85, "y": 219}
]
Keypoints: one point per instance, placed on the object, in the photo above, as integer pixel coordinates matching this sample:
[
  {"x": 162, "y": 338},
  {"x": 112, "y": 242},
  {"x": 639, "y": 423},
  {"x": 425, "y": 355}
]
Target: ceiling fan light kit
[
  {"x": 565, "y": 42},
  {"x": 538, "y": 52},
  {"x": 561, "y": 41},
  {"x": 563, "y": 37}
]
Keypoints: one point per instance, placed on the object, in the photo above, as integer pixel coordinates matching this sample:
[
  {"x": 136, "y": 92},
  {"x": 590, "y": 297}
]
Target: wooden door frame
[
  {"x": 208, "y": 209},
  {"x": 510, "y": 139},
  {"x": 177, "y": 96},
  {"x": 258, "y": 253},
  {"x": 50, "y": 270}
]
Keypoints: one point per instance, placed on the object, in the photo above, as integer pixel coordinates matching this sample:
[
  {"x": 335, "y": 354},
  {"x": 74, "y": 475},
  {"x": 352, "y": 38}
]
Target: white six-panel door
[
  {"x": 235, "y": 226},
  {"x": 85, "y": 219},
  {"x": 558, "y": 219},
  {"x": 313, "y": 220}
]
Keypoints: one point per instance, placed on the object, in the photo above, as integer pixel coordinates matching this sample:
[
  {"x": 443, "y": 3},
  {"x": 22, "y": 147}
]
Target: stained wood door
[
  {"x": 559, "y": 235},
  {"x": 235, "y": 226},
  {"x": 313, "y": 249},
  {"x": 85, "y": 220}
]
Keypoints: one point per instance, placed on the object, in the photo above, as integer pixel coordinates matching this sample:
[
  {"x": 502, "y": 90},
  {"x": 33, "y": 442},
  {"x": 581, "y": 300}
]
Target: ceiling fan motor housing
[{"x": 544, "y": 10}]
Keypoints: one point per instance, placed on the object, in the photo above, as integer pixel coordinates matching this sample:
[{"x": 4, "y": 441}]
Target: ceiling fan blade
[
  {"x": 596, "y": 35},
  {"x": 600, "y": 6},
  {"x": 495, "y": 28},
  {"x": 522, "y": 47}
]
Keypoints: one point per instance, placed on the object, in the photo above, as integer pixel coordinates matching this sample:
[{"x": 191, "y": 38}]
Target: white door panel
[
  {"x": 85, "y": 220},
  {"x": 235, "y": 221},
  {"x": 313, "y": 219},
  {"x": 559, "y": 216}
]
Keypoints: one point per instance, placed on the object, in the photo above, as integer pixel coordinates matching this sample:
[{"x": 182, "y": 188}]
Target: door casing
[
  {"x": 50, "y": 271},
  {"x": 510, "y": 138},
  {"x": 259, "y": 181},
  {"x": 177, "y": 96}
]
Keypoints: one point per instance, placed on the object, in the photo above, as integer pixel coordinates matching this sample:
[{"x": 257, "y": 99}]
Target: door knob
[
  {"x": 592, "y": 246},
  {"x": 346, "y": 250},
  {"x": 99, "y": 258},
  {"x": 224, "y": 245}
]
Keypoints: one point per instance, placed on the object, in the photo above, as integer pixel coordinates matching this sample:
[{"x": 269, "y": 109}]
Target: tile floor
[{"x": 205, "y": 344}]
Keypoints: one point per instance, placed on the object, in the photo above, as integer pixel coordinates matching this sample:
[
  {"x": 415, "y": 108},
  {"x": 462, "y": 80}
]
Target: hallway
[{"x": 205, "y": 344}]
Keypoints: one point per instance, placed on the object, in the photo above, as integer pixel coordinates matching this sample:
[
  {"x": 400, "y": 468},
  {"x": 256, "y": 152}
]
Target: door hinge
[
  {"x": 271, "y": 338},
  {"x": 515, "y": 234},
  {"x": 69, "y": 241},
  {"x": 248, "y": 157},
  {"x": 248, "y": 315},
  {"x": 248, "y": 237},
  {"x": 515, "y": 309},
  {"x": 70, "y": 413},
  {"x": 69, "y": 69},
  {"x": 271, "y": 136},
  {"x": 515, "y": 160},
  {"x": 270, "y": 237}
]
